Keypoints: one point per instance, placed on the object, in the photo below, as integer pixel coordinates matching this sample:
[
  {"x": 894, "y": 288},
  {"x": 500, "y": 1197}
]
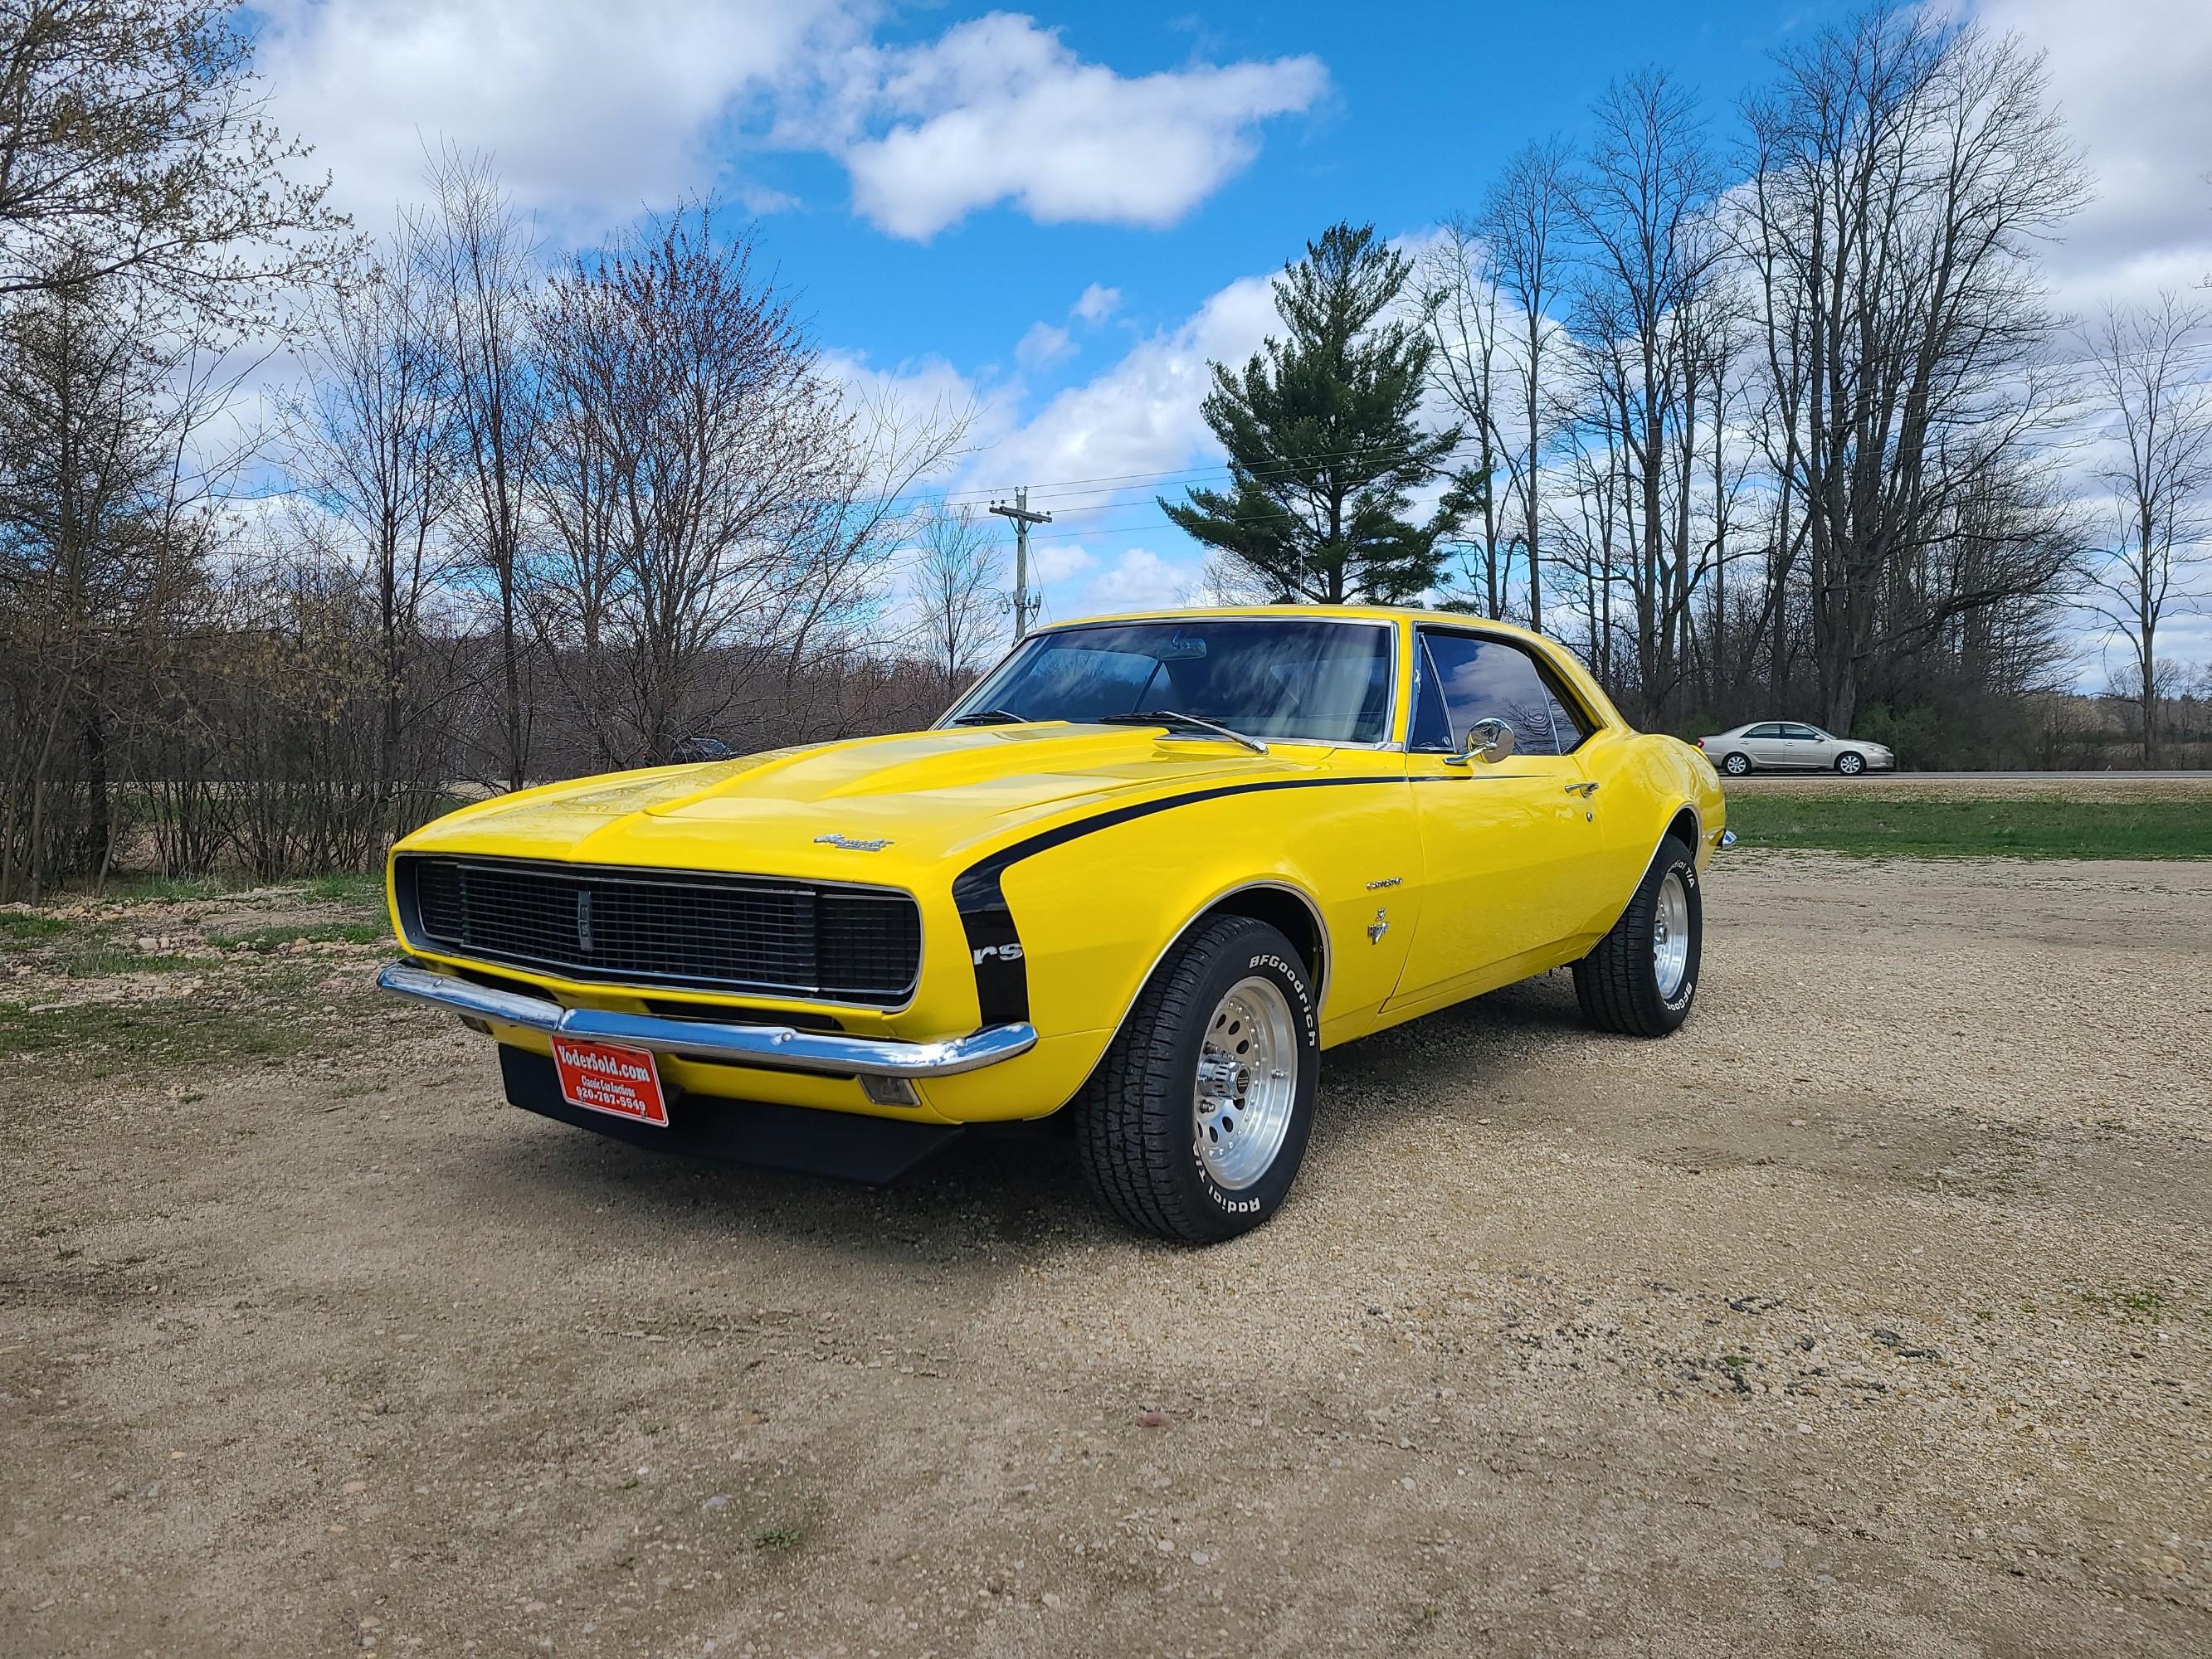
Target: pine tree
[{"x": 1325, "y": 447}]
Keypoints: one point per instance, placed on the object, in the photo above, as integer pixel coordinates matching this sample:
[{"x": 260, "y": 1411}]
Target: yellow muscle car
[{"x": 1145, "y": 872}]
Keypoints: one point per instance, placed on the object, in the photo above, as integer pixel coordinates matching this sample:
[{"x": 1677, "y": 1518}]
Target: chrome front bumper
[{"x": 775, "y": 1048}]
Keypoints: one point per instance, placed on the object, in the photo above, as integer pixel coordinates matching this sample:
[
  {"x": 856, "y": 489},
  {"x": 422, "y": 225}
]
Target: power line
[{"x": 1023, "y": 519}]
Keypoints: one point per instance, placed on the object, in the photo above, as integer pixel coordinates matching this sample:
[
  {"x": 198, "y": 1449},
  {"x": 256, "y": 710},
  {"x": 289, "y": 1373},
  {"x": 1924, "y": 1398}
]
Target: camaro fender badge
[
  {"x": 1379, "y": 927},
  {"x": 851, "y": 845},
  {"x": 999, "y": 952},
  {"x": 1387, "y": 881}
]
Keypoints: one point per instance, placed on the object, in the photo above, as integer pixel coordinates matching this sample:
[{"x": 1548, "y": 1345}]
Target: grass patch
[
  {"x": 777, "y": 1538},
  {"x": 101, "y": 1041},
  {"x": 2146, "y": 1305},
  {"x": 29, "y": 928},
  {"x": 2045, "y": 827},
  {"x": 346, "y": 887},
  {"x": 168, "y": 890},
  {"x": 101, "y": 960},
  {"x": 272, "y": 939}
]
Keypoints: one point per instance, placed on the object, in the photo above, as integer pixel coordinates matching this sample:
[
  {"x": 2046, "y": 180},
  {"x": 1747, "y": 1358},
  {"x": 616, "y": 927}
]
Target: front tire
[
  {"x": 1642, "y": 976},
  {"x": 1850, "y": 764},
  {"x": 1737, "y": 765},
  {"x": 1194, "y": 1123}
]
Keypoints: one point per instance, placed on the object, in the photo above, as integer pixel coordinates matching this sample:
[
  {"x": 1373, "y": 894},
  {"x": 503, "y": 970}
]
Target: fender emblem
[
  {"x": 1379, "y": 927},
  {"x": 851, "y": 845},
  {"x": 1388, "y": 881},
  {"x": 1002, "y": 952}
]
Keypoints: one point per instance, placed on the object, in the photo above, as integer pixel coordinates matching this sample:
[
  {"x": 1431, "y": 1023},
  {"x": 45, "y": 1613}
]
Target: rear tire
[
  {"x": 1194, "y": 1123},
  {"x": 1736, "y": 765},
  {"x": 1850, "y": 764},
  {"x": 1642, "y": 976}
]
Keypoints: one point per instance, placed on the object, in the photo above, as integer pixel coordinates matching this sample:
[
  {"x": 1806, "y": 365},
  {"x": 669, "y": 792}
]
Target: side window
[
  {"x": 1569, "y": 723},
  {"x": 1488, "y": 679},
  {"x": 1769, "y": 730},
  {"x": 1431, "y": 732},
  {"x": 1802, "y": 733}
]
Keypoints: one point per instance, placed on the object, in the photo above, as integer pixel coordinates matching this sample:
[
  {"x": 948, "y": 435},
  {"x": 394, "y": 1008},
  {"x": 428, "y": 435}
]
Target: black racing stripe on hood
[{"x": 994, "y": 944}]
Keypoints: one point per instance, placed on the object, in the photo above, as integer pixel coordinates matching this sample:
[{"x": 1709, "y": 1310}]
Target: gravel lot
[{"x": 1871, "y": 1315}]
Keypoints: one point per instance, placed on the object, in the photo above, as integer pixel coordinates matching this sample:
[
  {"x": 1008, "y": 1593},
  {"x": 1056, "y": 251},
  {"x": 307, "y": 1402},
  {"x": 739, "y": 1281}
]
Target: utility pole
[{"x": 1025, "y": 608}]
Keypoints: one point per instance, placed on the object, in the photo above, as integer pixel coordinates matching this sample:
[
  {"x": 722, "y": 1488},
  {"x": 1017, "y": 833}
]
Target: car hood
[{"x": 816, "y": 812}]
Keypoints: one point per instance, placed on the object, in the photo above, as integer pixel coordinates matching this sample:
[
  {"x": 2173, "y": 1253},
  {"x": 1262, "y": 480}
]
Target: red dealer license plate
[{"x": 605, "y": 1079}]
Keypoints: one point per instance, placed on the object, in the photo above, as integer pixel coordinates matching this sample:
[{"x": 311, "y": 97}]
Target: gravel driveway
[{"x": 1871, "y": 1315}]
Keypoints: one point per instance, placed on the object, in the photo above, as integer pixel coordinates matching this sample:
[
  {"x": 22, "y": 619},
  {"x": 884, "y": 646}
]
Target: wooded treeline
[
  {"x": 303, "y": 530},
  {"x": 1790, "y": 426},
  {"x": 501, "y": 518}
]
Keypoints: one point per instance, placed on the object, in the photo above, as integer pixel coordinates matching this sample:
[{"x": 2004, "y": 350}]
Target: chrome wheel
[
  {"x": 1670, "y": 935},
  {"x": 1247, "y": 1084}
]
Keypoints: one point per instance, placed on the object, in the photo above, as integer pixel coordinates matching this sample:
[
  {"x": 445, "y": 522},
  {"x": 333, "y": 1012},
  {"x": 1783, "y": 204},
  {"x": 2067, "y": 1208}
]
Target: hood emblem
[{"x": 851, "y": 845}]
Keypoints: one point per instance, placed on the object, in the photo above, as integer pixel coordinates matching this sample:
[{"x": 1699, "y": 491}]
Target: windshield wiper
[
  {"x": 1176, "y": 721},
  {"x": 992, "y": 717}
]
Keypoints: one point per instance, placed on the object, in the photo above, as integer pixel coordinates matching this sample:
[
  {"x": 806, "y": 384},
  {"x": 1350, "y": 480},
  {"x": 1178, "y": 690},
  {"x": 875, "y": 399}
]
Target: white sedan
[{"x": 1788, "y": 746}]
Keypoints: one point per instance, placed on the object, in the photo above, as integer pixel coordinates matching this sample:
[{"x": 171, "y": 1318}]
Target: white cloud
[
  {"x": 1055, "y": 562},
  {"x": 591, "y": 112},
  {"x": 1096, "y": 304},
  {"x": 1000, "y": 110},
  {"x": 1142, "y": 415},
  {"x": 1140, "y": 580},
  {"x": 2131, "y": 81},
  {"x": 1042, "y": 346},
  {"x": 594, "y": 112}
]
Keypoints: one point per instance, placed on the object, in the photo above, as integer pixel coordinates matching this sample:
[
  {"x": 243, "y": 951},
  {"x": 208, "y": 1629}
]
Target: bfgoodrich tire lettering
[
  {"x": 1642, "y": 976},
  {"x": 1135, "y": 1118}
]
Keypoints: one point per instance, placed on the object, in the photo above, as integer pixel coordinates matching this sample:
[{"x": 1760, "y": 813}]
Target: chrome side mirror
[{"x": 1490, "y": 740}]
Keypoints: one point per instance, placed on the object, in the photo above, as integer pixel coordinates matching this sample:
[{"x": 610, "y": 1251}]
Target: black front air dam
[{"x": 841, "y": 1145}]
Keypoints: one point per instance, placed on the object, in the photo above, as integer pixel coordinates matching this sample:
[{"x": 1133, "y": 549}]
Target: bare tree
[
  {"x": 373, "y": 445},
  {"x": 1525, "y": 225},
  {"x": 483, "y": 263},
  {"x": 1642, "y": 205},
  {"x": 133, "y": 142},
  {"x": 119, "y": 434},
  {"x": 1903, "y": 171},
  {"x": 958, "y": 580},
  {"x": 726, "y": 513},
  {"x": 1458, "y": 302},
  {"x": 2148, "y": 369}
]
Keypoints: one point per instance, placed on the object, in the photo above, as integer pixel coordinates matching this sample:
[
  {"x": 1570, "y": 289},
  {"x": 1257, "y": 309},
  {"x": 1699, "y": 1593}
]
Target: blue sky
[
  {"x": 1059, "y": 215},
  {"x": 1398, "y": 137}
]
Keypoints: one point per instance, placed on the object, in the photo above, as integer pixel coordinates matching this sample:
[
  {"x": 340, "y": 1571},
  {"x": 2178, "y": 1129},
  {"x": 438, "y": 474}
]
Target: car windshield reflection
[{"x": 1314, "y": 682}]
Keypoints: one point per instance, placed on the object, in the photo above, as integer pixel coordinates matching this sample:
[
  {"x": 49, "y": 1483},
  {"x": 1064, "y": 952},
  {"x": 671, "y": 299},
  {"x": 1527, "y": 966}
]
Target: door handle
[{"x": 1585, "y": 790}]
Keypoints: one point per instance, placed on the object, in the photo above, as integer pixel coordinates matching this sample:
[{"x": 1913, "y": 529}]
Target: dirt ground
[{"x": 1871, "y": 1315}]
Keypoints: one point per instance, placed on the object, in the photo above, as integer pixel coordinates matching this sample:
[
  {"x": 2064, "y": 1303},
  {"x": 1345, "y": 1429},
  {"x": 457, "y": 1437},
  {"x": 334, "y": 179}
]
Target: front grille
[{"x": 642, "y": 926}]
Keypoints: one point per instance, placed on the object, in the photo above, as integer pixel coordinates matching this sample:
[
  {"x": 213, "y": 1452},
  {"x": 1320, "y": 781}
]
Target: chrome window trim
[
  {"x": 976, "y": 694},
  {"x": 1545, "y": 672}
]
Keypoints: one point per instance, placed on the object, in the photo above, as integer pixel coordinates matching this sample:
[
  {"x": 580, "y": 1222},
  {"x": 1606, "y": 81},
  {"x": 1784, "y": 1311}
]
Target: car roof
[{"x": 1297, "y": 612}]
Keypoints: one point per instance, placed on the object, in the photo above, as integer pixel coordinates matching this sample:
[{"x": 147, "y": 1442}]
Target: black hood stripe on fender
[{"x": 994, "y": 946}]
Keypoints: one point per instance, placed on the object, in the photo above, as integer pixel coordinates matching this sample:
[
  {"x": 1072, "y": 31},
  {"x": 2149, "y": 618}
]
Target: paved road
[{"x": 2115, "y": 775}]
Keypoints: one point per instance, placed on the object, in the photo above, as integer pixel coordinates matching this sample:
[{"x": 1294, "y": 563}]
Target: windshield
[{"x": 1315, "y": 681}]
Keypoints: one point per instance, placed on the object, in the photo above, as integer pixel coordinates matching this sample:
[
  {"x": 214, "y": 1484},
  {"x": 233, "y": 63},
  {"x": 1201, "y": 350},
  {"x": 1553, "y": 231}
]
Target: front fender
[{"x": 1065, "y": 936}]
